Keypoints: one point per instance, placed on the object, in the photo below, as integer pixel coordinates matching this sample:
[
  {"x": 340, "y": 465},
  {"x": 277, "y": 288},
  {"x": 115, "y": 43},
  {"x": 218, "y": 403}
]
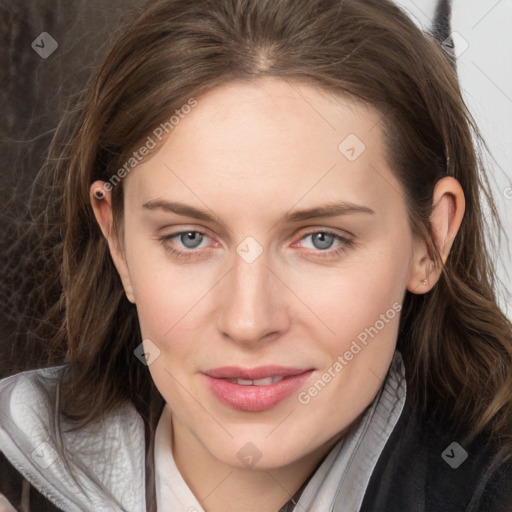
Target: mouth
[
  {"x": 255, "y": 389},
  {"x": 258, "y": 382}
]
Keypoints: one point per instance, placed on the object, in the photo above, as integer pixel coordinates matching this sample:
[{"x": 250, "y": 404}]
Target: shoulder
[
  {"x": 24, "y": 409},
  {"x": 426, "y": 467},
  {"x": 22, "y": 414},
  {"x": 61, "y": 466},
  {"x": 24, "y": 390}
]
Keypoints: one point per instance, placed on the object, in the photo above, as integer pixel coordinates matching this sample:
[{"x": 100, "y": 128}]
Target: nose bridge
[{"x": 250, "y": 307}]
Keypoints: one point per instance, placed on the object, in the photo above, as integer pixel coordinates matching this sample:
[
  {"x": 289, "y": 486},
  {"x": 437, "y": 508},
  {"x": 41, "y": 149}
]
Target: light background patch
[{"x": 485, "y": 72}]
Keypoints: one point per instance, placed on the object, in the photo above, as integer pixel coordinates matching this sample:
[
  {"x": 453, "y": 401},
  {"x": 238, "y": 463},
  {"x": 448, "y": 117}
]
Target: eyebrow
[{"x": 324, "y": 211}]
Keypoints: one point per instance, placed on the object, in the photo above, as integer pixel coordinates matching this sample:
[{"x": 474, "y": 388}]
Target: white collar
[
  {"x": 340, "y": 482},
  {"x": 172, "y": 492}
]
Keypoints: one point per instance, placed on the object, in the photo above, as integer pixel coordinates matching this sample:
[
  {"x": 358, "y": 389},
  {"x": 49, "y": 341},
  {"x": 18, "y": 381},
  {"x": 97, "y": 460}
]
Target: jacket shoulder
[
  {"x": 25, "y": 413},
  {"x": 75, "y": 468},
  {"x": 20, "y": 400},
  {"x": 424, "y": 467}
]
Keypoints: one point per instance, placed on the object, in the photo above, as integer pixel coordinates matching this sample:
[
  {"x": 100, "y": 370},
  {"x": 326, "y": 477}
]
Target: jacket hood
[{"x": 106, "y": 457}]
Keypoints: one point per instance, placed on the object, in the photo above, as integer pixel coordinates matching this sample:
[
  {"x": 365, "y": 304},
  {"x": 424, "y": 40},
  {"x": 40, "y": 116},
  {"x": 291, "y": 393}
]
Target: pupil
[
  {"x": 324, "y": 239},
  {"x": 190, "y": 238}
]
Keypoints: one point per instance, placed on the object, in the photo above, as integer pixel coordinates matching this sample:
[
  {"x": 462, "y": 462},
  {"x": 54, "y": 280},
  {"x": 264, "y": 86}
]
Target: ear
[
  {"x": 445, "y": 220},
  {"x": 101, "y": 201}
]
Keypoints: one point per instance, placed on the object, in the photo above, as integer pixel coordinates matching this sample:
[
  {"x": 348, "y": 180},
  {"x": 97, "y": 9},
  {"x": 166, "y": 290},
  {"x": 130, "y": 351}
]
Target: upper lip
[{"x": 260, "y": 372}]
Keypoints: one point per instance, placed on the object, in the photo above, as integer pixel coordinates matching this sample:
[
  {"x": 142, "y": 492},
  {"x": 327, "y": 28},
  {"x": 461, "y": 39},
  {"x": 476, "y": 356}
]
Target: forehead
[{"x": 270, "y": 139}]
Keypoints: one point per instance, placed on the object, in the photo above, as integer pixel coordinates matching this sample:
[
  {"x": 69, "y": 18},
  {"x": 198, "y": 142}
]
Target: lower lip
[{"x": 255, "y": 398}]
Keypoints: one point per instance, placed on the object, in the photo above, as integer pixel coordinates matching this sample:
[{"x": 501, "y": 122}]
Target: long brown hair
[{"x": 455, "y": 341}]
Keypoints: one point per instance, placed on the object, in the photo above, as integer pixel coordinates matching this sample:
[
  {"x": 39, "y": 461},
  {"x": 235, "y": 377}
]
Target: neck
[{"x": 220, "y": 487}]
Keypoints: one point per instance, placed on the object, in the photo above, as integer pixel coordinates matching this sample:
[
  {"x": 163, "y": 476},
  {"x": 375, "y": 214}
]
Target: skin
[{"x": 249, "y": 154}]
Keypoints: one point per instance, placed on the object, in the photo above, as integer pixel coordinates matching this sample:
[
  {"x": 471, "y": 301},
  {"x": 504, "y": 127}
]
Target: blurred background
[{"x": 483, "y": 46}]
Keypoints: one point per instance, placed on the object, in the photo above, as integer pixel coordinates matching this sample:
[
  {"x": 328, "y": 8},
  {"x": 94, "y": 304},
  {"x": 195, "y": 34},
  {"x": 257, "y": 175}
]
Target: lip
[
  {"x": 260, "y": 372},
  {"x": 254, "y": 398}
]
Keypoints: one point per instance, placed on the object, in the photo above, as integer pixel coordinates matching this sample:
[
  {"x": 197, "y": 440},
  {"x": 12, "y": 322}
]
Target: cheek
[
  {"x": 357, "y": 336},
  {"x": 347, "y": 300},
  {"x": 361, "y": 307},
  {"x": 168, "y": 296},
  {"x": 169, "y": 306}
]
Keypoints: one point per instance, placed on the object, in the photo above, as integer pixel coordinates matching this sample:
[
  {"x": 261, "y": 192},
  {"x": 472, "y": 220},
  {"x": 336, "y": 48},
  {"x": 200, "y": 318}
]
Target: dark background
[{"x": 34, "y": 92}]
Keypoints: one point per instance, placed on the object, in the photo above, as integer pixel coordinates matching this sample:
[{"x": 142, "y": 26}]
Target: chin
[{"x": 257, "y": 453}]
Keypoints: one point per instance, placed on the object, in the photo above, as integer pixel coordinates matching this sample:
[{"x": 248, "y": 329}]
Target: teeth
[
  {"x": 262, "y": 382},
  {"x": 244, "y": 382},
  {"x": 259, "y": 382}
]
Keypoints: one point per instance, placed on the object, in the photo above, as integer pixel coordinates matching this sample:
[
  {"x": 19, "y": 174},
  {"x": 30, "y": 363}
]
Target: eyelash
[{"x": 346, "y": 243}]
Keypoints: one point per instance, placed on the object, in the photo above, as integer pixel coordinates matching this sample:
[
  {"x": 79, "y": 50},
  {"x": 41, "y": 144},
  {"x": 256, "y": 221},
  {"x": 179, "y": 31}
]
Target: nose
[{"x": 253, "y": 309}]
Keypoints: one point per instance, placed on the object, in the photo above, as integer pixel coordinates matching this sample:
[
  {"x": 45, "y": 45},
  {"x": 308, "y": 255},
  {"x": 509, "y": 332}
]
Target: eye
[
  {"x": 184, "y": 244},
  {"x": 190, "y": 239},
  {"x": 323, "y": 241}
]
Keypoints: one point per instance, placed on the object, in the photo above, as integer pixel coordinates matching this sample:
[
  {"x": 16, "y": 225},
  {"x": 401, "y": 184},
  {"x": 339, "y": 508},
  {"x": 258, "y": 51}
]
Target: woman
[{"x": 275, "y": 293}]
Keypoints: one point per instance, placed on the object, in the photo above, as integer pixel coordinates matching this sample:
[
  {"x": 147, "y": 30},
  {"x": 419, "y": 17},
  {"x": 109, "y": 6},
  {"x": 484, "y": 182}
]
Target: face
[{"x": 268, "y": 248}]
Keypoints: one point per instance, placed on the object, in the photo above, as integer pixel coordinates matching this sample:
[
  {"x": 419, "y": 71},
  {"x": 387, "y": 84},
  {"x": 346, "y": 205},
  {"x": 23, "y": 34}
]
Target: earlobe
[
  {"x": 101, "y": 201},
  {"x": 445, "y": 220},
  {"x": 423, "y": 275}
]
